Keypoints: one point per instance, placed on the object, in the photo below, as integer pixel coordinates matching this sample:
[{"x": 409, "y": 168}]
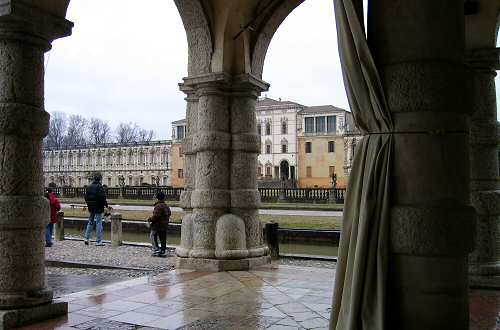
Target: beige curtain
[{"x": 360, "y": 281}]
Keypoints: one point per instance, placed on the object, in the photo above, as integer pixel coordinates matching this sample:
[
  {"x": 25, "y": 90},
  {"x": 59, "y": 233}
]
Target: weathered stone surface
[
  {"x": 23, "y": 124},
  {"x": 223, "y": 195},
  {"x": 15, "y": 318},
  {"x": 219, "y": 265},
  {"x": 230, "y": 238}
]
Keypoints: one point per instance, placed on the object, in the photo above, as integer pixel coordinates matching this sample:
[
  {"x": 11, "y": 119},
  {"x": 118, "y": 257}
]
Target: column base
[
  {"x": 221, "y": 265},
  {"x": 13, "y": 318}
]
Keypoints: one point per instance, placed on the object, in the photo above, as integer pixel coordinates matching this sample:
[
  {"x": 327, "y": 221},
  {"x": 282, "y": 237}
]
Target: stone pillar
[
  {"x": 25, "y": 34},
  {"x": 432, "y": 225},
  {"x": 186, "y": 243},
  {"x": 223, "y": 230},
  {"x": 59, "y": 227},
  {"x": 485, "y": 196},
  {"x": 116, "y": 229}
]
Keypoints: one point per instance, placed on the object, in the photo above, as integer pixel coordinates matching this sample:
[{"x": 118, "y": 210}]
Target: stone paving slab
[
  {"x": 184, "y": 299},
  {"x": 269, "y": 297}
]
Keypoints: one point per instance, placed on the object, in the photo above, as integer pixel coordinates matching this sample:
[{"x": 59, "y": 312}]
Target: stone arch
[
  {"x": 266, "y": 32},
  {"x": 199, "y": 35}
]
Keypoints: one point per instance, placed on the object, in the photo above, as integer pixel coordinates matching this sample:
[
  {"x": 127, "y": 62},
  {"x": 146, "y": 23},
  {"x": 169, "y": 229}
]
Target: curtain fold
[{"x": 360, "y": 282}]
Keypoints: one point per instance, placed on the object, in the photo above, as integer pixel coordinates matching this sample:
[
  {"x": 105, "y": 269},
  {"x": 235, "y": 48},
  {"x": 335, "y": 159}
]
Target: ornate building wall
[{"x": 134, "y": 164}]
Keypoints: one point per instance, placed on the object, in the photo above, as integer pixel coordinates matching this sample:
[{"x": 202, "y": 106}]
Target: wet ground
[
  {"x": 273, "y": 297},
  {"x": 64, "y": 281}
]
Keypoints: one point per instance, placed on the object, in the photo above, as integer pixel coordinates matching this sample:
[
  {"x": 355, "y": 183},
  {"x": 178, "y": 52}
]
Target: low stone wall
[{"x": 284, "y": 234}]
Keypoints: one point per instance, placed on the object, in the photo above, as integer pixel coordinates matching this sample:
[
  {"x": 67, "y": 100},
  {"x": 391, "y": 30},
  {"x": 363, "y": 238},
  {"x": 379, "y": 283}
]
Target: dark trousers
[{"x": 162, "y": 235}]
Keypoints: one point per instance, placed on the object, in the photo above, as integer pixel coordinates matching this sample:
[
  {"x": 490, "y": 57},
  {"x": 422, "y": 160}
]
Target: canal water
[{"x": 306, "y": 248}]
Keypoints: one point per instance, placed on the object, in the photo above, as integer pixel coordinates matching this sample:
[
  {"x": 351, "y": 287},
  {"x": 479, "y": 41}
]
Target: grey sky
[{"x": 124, "y": 61}]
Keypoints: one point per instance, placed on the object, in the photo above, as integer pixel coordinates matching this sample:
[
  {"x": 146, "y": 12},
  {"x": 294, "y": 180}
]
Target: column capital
[
  {"x": 25, "y": 22},
  {"x": 484, "y": 59},
  {"x": 223, "y": 83},
  {"x": 249, "y": 83}
]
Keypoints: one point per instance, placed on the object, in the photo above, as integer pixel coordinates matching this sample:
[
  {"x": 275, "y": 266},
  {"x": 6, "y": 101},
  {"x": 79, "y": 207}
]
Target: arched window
[
  {"x": 284, "y": 146},
  {"x": 268, "y": 170},
  {"x": 268, "y": 147},
  {"x": 268, "y": 128}
]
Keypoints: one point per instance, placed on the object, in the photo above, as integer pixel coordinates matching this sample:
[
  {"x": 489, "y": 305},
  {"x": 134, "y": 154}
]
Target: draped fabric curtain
[{"x": 360, "y": 282}]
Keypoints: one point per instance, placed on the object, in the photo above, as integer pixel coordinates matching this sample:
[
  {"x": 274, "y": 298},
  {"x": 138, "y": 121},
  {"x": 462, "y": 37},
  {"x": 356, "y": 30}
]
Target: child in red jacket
[{"x": 55, "y": 206}]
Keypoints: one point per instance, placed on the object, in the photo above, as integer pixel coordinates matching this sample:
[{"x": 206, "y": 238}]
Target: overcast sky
[{"x": 124, "y": 61}]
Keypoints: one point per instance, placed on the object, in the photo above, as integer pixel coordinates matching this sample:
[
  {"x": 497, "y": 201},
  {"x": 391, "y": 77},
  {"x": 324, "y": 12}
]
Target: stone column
[
  {"x": 245, "y": 145},
  {"x": 432, "y": 225},
  {"x": 25, "y": 34},
  {"x": 223, "y": 231},
  {"x": 189, "y": 172},
  {"x": 485, "y": 196}
]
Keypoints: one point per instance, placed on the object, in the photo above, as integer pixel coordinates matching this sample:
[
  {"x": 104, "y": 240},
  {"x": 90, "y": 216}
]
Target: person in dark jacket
[
  {"x": 159, "y": 225},
  {"x": 55, "y": 206},
  {"x": 95, "y": 197}
]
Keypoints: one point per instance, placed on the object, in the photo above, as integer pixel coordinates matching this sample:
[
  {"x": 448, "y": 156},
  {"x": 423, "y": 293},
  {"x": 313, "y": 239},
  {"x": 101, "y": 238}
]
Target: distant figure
[
  {"x": 159, "y": 225},
  {"x": 55, "y": 206},
  {"x": 334, "y": 181},
  {"x": 95, "y": 197}
]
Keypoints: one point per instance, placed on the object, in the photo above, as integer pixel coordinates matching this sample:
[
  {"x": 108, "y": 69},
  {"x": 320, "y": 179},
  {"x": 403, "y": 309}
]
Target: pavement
[
  {"x": 269, "y": 297},
  {"x": 311, "y": 213}
]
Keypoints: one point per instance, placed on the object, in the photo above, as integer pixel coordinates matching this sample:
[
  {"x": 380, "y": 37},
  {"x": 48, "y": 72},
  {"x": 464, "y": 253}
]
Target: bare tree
[
  {"x": 76, "y": 132},
  {"x": 145, "y": 135},
  {"x": 127, "y": 133},
  {"x": 99, "y": 131},
  {"x": 57, "y": 130}
]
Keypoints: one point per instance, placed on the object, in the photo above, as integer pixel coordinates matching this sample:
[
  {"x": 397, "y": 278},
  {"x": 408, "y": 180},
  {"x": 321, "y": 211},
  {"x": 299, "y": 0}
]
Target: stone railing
[
  {"x": 304, "y": 195},
  {"x": 297, "y": 195},
  {"x": 172, "y": 194}
]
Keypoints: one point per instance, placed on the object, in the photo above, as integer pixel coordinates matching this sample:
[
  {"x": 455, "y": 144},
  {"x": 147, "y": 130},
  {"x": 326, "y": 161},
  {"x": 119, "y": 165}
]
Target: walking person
[
  {"x": 55, "y": 206},
  {"x": 159, "y": 225},
  {"x": 95, "y": 197}
]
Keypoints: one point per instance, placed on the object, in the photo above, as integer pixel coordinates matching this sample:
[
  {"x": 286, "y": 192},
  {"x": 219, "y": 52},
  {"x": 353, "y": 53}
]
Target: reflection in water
[{"x": 319, "y": 249}]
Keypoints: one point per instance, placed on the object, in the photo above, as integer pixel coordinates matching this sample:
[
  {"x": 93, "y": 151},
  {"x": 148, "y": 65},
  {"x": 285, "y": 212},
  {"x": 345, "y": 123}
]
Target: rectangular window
[
  {"x": 284, "y": 149},
  {"x": 180, "y": 173},
  {"x": 268, "y": 148},
  {"x": 259, "y": 171},
  {"x": 308, "y": 147},
  {"x": 331, "y": 124},
  {"x": 268, "y": 171},
  {"x": 309, "y": 124},
  {"x": 180, "y": 132},
  {"x": 308, "y": 171},
  {"x": 180, "y": 151},
  {"x": 331, "y": 146},
  {"x": 259, "y": 129},
  {"x": 331, "y": 171},
  {"x": 320, "y": 124}
]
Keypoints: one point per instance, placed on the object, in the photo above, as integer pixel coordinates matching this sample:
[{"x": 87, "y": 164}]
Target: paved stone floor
[{"x": 270, "y": 297}]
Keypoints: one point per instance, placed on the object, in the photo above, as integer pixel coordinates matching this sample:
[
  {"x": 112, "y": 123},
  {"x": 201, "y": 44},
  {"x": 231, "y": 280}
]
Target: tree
[
  {"x": 145, "y": 135},
  {"x": 57, "y": 130},
  {"x": 99, "y": 131},
  {"x": 127, "y": 133},
  {"x": 76, "y": 132}
]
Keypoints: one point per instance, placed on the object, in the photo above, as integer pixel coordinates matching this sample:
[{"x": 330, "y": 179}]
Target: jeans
[
  {"x": 97, "y": 218},
  {"x": 49, "y": 229},
  {"x": 162, "y": 235}
]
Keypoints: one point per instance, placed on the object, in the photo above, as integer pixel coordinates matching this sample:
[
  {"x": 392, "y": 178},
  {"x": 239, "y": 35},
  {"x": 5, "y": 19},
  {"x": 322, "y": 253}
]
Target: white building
[
  {"x": 277, "y": 126},
  {"x": 132, "y": 164}
]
